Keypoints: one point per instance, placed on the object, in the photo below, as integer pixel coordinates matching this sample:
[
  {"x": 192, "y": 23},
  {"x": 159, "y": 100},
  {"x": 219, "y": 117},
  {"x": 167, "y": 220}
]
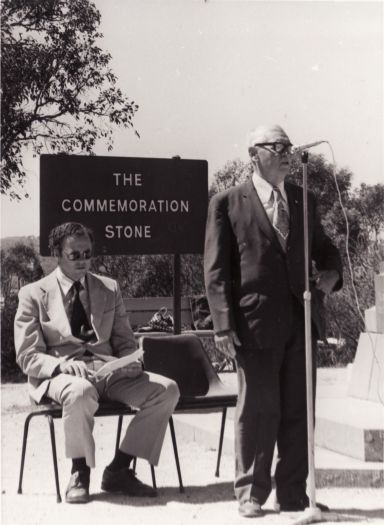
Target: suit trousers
[
  {"x": 271, "y": 409},
  {"x": 155, "y": 396}
]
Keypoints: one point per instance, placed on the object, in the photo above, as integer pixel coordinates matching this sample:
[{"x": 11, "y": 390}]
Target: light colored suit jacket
[{"x": 43, "y": 335}]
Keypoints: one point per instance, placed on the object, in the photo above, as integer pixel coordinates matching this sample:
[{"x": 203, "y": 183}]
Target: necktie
[
  {"x": 280, "y": 219},
  {"x": 78, "y": 319}
]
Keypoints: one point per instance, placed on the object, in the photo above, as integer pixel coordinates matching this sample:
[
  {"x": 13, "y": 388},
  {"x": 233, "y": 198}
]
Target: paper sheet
[{"x": 115, "y": 364}]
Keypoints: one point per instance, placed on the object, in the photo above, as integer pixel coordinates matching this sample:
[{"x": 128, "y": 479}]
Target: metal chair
[
  {"x": 183, "y": 359},
  {"x": 180, "y": 357},
  {"x": 53, "y": 411}
]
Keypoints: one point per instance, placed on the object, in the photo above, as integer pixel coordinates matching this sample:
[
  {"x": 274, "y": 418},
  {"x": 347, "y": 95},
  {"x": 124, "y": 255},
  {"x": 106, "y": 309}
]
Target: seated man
[{"x": 67, "y": 326}]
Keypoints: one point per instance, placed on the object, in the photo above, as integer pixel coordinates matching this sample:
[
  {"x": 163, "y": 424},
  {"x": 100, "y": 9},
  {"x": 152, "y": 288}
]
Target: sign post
[{"x": 176, "y": 294}]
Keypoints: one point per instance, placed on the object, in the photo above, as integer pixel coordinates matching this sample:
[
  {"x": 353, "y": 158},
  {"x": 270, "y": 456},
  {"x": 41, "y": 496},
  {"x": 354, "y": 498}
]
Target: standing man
[
  {"x": 254, "y": 274},
  {"x": 67, "y": 326}
]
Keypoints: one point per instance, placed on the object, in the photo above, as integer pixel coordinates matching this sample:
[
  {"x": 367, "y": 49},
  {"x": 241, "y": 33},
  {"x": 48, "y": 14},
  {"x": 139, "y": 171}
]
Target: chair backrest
[{"x": 183, "y": 359}]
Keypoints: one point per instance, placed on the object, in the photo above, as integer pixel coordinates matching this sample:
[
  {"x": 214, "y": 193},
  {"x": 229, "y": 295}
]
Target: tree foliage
[
  {"x": 321, "y": 180},
  {"x": 368, "y": 201},
  {"x": 152, "y": 275},
  {"x": 58, "y": 90},
  {"x": 330, "y": 185},
  {"x": 234, "y": 172},
  {"x": 345, "y": 315},
  {"x": 19, "y": 265}
]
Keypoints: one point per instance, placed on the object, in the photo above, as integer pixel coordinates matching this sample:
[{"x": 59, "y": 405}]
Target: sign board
[{"x": 133, "y": 205}]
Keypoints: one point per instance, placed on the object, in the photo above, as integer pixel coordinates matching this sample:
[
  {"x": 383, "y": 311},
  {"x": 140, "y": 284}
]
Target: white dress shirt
[
  {"x": 265, "y": 192},
  {"x": 65, "y": 284}
]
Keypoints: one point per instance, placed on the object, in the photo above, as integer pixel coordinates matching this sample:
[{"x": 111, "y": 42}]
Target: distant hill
[{"x": 47, "y": 263}]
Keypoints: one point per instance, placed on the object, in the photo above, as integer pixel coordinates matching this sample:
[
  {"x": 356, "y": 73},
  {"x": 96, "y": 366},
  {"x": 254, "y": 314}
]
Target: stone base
[
  {"x": 351, "y": 427},
  {"x": 370, "y": 319},
  {"x": 332, "y": 469}
]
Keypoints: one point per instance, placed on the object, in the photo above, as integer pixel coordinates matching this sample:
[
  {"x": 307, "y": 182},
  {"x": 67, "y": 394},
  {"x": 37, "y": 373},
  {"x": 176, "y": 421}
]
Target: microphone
[{"x": 302, "y": 147}]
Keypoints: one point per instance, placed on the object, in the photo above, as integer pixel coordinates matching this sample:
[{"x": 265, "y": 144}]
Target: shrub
[{"x": 9, "y": 369}]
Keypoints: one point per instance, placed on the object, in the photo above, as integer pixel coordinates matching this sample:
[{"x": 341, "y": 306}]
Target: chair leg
[
  {"x": 23, "y": 451},
  {"x": 118, "y": 434},
  {"x": 153, "y": 477},
  {"x": 223, "y": 418},
  {"x": 173, "y": 436},
  {"x": 54, "y": 456}
]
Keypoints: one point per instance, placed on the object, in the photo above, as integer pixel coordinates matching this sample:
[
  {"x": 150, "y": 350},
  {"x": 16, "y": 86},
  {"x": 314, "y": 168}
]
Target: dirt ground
[{"x": 207, "y": 499}]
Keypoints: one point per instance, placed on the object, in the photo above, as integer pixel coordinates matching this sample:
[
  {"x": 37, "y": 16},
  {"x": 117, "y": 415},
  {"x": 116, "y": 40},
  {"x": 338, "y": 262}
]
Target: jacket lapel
[
  {"x": 258, "y": 214},
  {"x": 97, "y": 299},
  {"x": 53, "y": 303},
  {"x": 295, "y": 213}
]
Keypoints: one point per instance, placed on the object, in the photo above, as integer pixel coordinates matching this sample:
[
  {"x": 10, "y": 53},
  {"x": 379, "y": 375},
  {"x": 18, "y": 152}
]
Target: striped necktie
[{"x": 280, "y": 218}]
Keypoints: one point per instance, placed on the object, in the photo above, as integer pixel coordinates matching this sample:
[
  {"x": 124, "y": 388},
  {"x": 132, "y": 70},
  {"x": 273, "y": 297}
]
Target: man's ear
[{"x": 253, "y": 153}]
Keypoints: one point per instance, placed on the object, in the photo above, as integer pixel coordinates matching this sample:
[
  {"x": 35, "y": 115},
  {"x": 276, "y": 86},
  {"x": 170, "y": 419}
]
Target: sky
[{"x": 206, "y": 73}]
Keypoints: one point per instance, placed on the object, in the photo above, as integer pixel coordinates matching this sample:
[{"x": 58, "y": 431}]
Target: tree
[
  {"x": 20, "y": 265},
  {"x": 369, "y": 202},
  {"x": 234, "y": 172},
  {"x": 330, "y": 185},
  {"x": 345, "y": 309},
  {"x": 152, "y": 275},
  {"x": 321, "y": 180},
  {"x": 58, "y": 91}
]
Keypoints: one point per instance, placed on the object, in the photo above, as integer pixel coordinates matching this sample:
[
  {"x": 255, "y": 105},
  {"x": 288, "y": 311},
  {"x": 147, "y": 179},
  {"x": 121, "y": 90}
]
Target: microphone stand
[{"x": 312, "y": 513}]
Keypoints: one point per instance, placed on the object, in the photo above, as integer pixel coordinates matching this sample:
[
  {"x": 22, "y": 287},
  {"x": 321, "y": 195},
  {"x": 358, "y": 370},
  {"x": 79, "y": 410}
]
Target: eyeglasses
[
  {"x": 75, "y": 256},
  {"x": 276, "y": 147}
]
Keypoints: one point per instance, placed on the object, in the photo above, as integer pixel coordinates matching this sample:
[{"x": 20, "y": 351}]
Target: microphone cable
[{"x": 351, "y": 272}]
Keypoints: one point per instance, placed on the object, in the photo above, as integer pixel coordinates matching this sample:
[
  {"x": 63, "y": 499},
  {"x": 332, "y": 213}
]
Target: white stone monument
[{"x": 367, "y": 377}]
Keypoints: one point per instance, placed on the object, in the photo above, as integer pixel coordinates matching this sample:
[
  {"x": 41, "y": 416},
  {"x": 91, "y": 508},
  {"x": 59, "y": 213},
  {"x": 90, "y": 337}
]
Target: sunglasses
[
  {"x": 76, "y": 256},
  {"x": 276, "y": 147}
]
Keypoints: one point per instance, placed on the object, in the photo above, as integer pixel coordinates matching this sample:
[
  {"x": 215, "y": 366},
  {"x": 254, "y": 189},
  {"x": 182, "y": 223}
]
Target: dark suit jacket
[
  {"x": 249, "y": 279},
  {"x": 43, "y": 335}
]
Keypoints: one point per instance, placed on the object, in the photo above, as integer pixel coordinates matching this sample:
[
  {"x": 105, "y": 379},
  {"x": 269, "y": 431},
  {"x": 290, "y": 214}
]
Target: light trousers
[{"x": 155, "y": 396}]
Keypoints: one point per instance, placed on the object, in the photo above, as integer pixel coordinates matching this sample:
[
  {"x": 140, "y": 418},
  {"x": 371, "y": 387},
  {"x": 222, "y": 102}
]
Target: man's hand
[
  {"x": 326, "y": 280},
  {"x": 76, "y": 368},
  {"x": 132, "y": 370},
  {"x": 225, "y": 342}
]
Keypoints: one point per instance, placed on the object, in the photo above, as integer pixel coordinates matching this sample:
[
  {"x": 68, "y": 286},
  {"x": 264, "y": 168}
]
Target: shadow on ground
[
  {"x": 212, "y": 493},
  {"x": 220, "y": 492},
  {"x": 360, "y": 513}
]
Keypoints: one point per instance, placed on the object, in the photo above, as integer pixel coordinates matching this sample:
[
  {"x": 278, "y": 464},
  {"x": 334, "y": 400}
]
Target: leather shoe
[
  {"x": 249, "y": 508},
  {"x": 299, "y": 505},
  {"x": 125, "y": 481},
  {"x": 78, "y": 487}
]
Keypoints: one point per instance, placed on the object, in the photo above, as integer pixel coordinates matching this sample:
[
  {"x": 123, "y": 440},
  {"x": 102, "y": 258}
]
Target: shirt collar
[
  {"x": 65, "y": 282},
  {"x": 264, "y": 188}
]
